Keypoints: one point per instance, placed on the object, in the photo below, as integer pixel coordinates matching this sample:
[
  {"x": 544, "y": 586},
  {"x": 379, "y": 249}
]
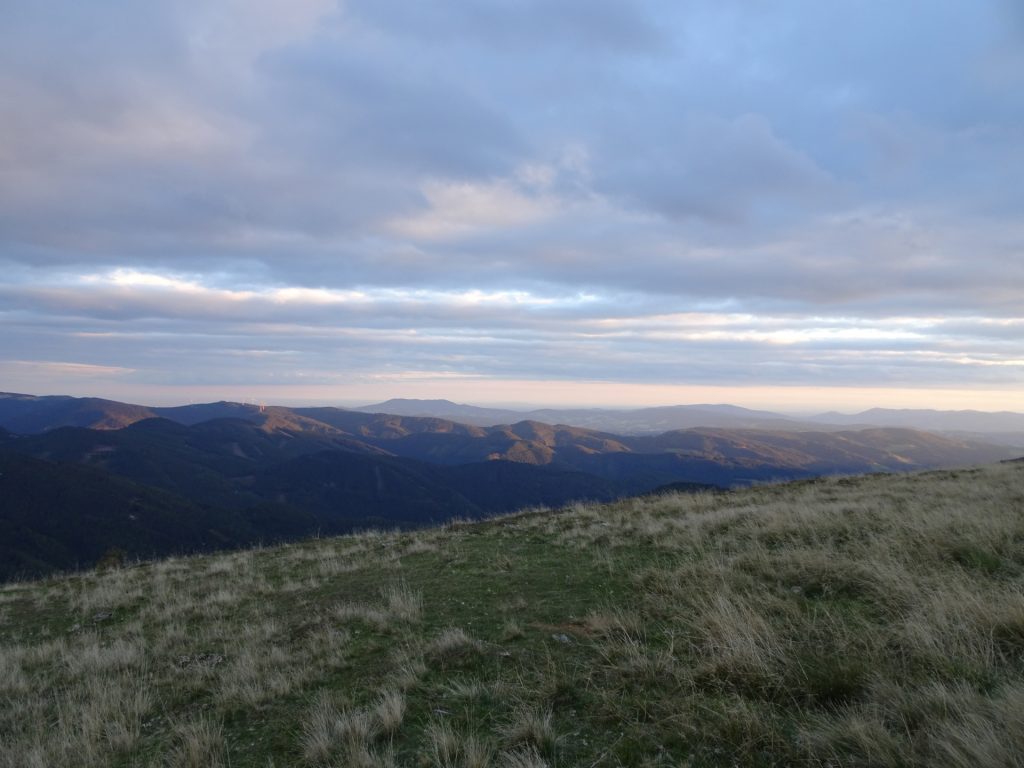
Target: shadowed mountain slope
[
  {"x": 206, "y": 462},
  {"x": 61, "y": 516}
]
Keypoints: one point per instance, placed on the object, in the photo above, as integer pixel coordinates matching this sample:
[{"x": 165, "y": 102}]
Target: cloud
[
  {"x": 603, "y": 25},
  {"x": 706, "y": 167},
  {"x": 454, "y": 210},
  {"x": 41, "y": 371},
  {"x": 649, "y": 192},
  {"x": 235, "y": 33},
  {"x": 175, "y": 329}
]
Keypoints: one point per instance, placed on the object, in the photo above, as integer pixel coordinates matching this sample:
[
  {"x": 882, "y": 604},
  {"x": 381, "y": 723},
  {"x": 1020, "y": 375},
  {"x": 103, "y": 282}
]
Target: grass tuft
[
  {"x": 453, "y": 647},
  {"x": 531, "y": 727},
  {"x": 199, "y": 744}
]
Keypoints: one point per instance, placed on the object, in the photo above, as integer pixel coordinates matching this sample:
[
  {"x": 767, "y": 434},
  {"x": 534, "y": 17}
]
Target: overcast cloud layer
[{"x": 381, "y": 197}]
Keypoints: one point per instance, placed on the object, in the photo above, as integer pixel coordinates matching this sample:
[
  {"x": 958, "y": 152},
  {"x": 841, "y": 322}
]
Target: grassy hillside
[{"x": 874, "y": 621}]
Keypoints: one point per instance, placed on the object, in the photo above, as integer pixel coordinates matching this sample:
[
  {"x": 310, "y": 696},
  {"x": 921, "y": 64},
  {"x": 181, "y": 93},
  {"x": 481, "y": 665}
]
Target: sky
[{"x": 788, "y": 204}]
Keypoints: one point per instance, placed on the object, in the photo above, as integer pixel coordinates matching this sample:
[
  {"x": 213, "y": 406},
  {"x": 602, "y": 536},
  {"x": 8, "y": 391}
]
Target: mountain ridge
[{"x": 21, "y": 413}]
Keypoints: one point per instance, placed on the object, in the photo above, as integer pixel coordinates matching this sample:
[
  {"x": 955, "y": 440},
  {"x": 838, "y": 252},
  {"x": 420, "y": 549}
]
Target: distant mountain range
[
  {"x": 80, "y": 476},
  {"x": 625, "y": 422},
  {"x": 24, "y": 414},
  {"x": 1003, "y": 428}
]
